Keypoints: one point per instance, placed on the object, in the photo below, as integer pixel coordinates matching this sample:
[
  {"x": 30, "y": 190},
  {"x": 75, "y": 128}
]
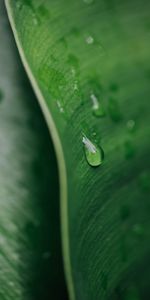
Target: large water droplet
[
  {"x": 97, "y": 107},
  {"x": 93, "y": 153},
  {"x": 114, "y": 110}
]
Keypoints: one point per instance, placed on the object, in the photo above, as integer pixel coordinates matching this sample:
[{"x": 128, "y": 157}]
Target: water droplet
[
  {"x": 98, "y": 109},
  {"x": 104, "y": 280},
  {"x": 125, "y": 212},
  {"x": 129, "y": 149},
  {"x": 88, "y": 1},
  {"x": 144, "y": 181},
  {"x": 114, "y": 110},
  {"x": 1, "y": 95},
  {"x": 60, "y": 107},
  {"x": 131, "y": 125},
  {"x": 35, "y": 20},
  {"x": 93, "y": 153},
  {"x": 89, "y": 40}
]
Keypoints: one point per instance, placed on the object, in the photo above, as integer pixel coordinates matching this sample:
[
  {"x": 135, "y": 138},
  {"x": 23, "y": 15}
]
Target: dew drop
[
  {"x": 131, "y": 125},
  {"x": 89, "y": 40},
  {"x": 60, "y": 107},
  {"x": 93, "y": 153},
  {"x": 35, "y": 20},
  {"x": 129, "y": 149},
  {"x": 97, "y": 107}
]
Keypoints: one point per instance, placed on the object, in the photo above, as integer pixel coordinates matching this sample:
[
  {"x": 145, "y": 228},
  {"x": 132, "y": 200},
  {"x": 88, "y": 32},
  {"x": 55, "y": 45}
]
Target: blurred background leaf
[{"x": 30, "y": 249}]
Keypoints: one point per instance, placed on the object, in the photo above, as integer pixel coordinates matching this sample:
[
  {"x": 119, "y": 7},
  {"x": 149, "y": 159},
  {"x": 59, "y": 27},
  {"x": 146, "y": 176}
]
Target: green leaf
[
  {"x": 84, "y": 57},
  {"x": 30, "y": 256}
]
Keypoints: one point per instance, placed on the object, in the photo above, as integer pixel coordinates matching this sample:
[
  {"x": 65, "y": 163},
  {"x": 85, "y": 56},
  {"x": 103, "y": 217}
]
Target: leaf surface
[{"x": 88, "y": 62}]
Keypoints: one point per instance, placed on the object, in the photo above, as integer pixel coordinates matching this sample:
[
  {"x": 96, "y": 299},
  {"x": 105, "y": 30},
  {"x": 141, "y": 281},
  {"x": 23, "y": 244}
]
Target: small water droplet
[
  {"x": 88, "y": 1},
  {"x": 1, "y": 95},
  {"x": 131, "y": 125},
  {"x": 93, "y": 153},
  {"x": 129, "y": 149},
  {"x": 35, "y": 20},
  {"x": 114, "y": 110},
  {"x": 60, "y": 107},
  {"x": 89, "y": 40},
  {"x": 97, "y": 107}
]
